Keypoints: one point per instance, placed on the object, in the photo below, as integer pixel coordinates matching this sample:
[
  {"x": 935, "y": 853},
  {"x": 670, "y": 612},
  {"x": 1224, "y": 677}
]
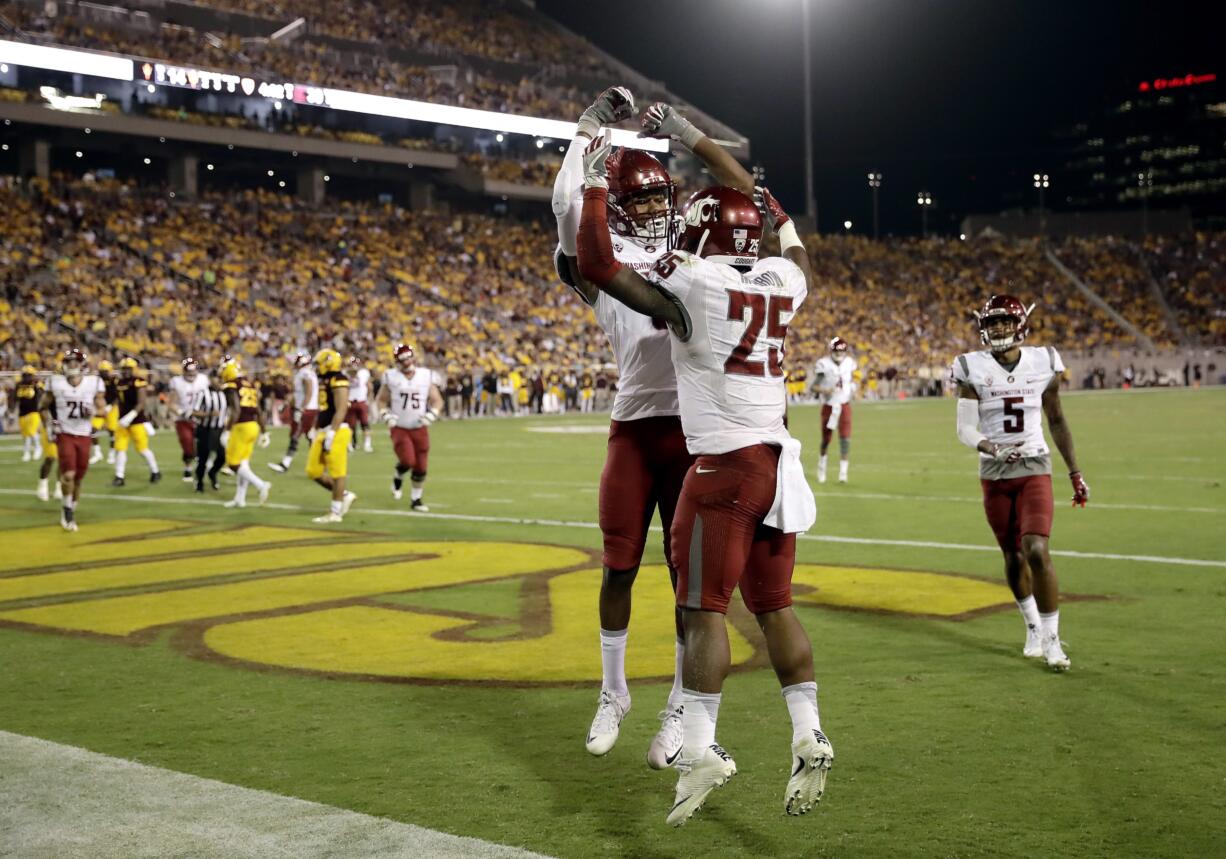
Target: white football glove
[
  {"x": 328, "y": 437},
  {"x": 613, "y": 105},
  {"x": 836, "y": 412},
  {"x": 662, "y": 121},
  {"x": 388, "y": 417},
  {"x": 429, "y": 417},
  {"x": 595, "y": 170},
  {"x": 297, "y": 415},
  {"x": 264, "y": 440},
  {"x": 1007, "y": 453},
  {"x": 225, "y": 438},
  {"x": 150, "y": 429}
]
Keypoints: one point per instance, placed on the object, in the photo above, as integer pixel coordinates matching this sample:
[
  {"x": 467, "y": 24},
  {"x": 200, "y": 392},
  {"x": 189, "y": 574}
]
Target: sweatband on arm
[
  {"x": 788, "y": 238},
  {"x": 968, "y": 423}
]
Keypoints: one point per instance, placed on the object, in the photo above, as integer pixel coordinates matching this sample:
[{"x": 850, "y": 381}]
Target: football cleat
[
  {"x": 278, "y": 467},
  {"x": 610, "y": 710},
  {"x": 665, "y": 746},
  {"x": 821, "y": 472},
  {"x": 812, "y": 756},
  {"x": 397, "y": 493},
  {"x": 26, "y": 456},
  {"x": 698, "y": 778},
  {"x": 155, "y": 477},
  {"x": 1033, "y": 649},
  {"x": 110, "y": 456},
  {"x": 1054, "y": 654},
  {"x": 264, "y": 493},
  {"x": 227, "y": 471},
  {"x": 347, "y": 501},
  {"x": 328, "y": 518},
  {"x": 66, "y": 523},
  {"x": 188, "y": 477},
  {"x": 419, "y": 506},
  {"x": 118, "y": 481},
  {"x": 43, "y": 493},
  {"x": 234, "y": 502},
  {"x": 368, "y": 447},
  {"x": 213, "y": 484},
  {"x": 96, "y": 456}
]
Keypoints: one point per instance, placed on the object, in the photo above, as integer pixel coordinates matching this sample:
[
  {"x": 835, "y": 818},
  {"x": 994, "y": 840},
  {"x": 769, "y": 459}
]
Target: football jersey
[
  {"x": 730, "y": 378},
  {"x": 409, "y": 396},
  {"x": 248, "y": 400},
  {"x": 1011, "y": 405},
  {"x": 186, "y": 393},
  {"x": 836, "y": 373},
  {"x": 129, "y": 396},
  {"x": 306, "y": 389},
  {"x": 359, "y": 386},
  {"x": 74, "y": 404},
  {"x": 329, "y": 383},
  {"x": 28, "y": 395}
]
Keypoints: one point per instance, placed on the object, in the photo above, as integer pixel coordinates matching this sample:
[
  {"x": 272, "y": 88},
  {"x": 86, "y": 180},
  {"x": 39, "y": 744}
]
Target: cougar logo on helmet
[{"x": 701, "y": 212}]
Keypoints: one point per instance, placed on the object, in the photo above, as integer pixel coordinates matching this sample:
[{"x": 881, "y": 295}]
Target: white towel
[{"x": 795, "y": 509}]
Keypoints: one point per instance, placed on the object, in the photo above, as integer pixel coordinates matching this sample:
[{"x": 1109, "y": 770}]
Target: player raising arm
[
  {"x": 1003, "y": 391},
  {"x": 745, "y": 498}
]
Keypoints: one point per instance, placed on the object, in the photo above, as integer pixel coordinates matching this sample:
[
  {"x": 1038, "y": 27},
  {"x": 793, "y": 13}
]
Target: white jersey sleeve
[
  {"x": 359, "y": 386},
  {"x": 1011, "y": 400},
  {"x": 729, "y": 364}
]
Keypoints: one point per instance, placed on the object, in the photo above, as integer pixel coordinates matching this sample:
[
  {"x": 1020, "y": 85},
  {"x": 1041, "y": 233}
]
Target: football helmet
[
  {"x": 838, "y": 347},
  {"x": 73, "y": 363},
  {"x": 636, "y": 178},
  {"x": 230, "y": 371},
  {"x": 1006, "y": 307},
  {"x": 190, "y": 367},
  {"x": 128, "y": 366},
  {"x": 29, "y": 370},
  {"x": 301, "y": 360},
  {"x": 105, "y": 366},
  {"x": 405, "y": 356},
  {"x": 328, "y": 361},
  {"x": 722, "y": 225}
]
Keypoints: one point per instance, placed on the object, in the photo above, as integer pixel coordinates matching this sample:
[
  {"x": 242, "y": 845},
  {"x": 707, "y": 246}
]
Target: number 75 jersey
[
  {"x": 729, "y": 364},
  {"x": 1011, "y": 401}
]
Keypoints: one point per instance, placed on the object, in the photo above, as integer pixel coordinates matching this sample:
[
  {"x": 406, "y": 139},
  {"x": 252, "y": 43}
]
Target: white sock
[
  {"x": 1051, "y": 623},
  {"x": 151, "y": 459},
  {"x": 612, "y": 661},
  {"x": 415, "y": 492},
  {"x": 801, "y": 699},
  {"x": 42, "y": 483},
  {"x": 821, "y": 462},
  {"x": 59, "y": 490},
  {"x": 121, "y": 463},
  {"x": 674, "y": 695},
  {"x": 842, "y": 468},
  {"x": 698, "y": 722},
  {"x": 70, "y": 502},
  {"x": 240, "y": 488},
  {"x": 38, "y": 448},
  {"x": 286, "y": 460},
  {"x": 244, "y": 469},
  {"x": 1030, "y": 613}
]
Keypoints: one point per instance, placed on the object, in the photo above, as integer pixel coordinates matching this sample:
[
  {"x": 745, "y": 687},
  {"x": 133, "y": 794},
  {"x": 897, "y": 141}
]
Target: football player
[
  {"x": 244, "y": 426},
  {"x": 304, "y": 410},
  {"x": 835, "y": 387},
  {"x": 186, "y": 388},
  {"x": 328, "y": 460},
  {"x": 647, "y": 459},
  {"x": 358, "y": 415},
  {"x": 108, "y": 419},
  {"x": 1003, "y": 393},
  {"x": 745, "y": 497},
  {"x": 29, "y": 394},
  {"x": 132, "y": 388},
  {"x": 73, "y": 397},
  {"x": 411, "y": 402}
]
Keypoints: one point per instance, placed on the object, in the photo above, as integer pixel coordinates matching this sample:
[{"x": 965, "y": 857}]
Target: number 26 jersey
[{"x": 1011, "y": 401}]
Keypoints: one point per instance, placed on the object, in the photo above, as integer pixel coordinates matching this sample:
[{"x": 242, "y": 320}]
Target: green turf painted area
[{"x": 948, "y": 743}]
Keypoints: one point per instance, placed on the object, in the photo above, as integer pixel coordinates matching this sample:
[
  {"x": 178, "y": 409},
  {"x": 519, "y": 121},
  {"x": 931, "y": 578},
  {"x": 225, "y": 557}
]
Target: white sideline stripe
[
  {"x": 562, "y": 523},
  {"x": 884, "y": 496},
  {"x": 58, "y": 800}
]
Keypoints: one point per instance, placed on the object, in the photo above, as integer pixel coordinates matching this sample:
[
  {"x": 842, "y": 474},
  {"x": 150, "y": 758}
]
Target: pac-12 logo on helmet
[
  {"x": 722, "y": 225},
  {"x": 1008, "y": 309}
]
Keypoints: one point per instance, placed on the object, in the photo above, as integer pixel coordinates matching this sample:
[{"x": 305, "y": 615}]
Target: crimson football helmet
[
  {"x": 189, "y": 365},
  {"x": 635, "y": 177},
  {"x": 723, "y": 225},
  {"x": 302, "y": 359},
  {"x": 73, "y": 363},
  {"x": 405, "y": 355},
  {"x": 1009, "y": 308},
  {"x": 838, "y": 347}
]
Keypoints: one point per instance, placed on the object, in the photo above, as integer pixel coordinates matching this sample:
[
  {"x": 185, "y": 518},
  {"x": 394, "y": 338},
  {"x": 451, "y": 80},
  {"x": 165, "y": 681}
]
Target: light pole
[
  {"x": 1042, "y": 182},
  {"x": 924, "y": 200},
  {"x": 1145, "y": 181},
  {"x": 810, "y": 194},
  {"x": 874, "y": 182}
]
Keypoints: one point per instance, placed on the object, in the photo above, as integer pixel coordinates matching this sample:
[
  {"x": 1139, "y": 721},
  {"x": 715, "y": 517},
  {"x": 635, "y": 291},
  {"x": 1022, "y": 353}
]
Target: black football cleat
[
  {"x": 156, "y": 477},
  {"x": 118, "y": 481}
]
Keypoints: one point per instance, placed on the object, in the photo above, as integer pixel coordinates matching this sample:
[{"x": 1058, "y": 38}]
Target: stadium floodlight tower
[
  {"x": 1145, "y": 184},
  {"x": 810, "y": 193},
  {"x": 924, "y": 200},
  {"x": 874, "y": 182},
  {"x": 1042, "y": 182}
]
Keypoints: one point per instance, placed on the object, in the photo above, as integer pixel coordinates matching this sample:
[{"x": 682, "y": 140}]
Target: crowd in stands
[
  {"x": 521, "y": 171},
  {"x": 262, "y": 275}
]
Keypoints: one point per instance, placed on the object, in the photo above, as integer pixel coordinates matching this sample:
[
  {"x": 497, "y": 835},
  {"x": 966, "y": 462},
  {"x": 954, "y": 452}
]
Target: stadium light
[
  {"x": 499, "y": 138},
  {"x": 874, "y": 182},
  {"x": 847, "y": 225},
  {"x": 1042, "y": 182},
  {"x": 65, "y": 60},
  {"x": 924, "y": 200},
  {"x": 4, "y": 68},
  {"x": 148, "y": 161},
  {"x": 4, "y": 147},
  {"x": 540, "y": 144},
  {"x": 271, "y": 173},
  {"x": 327, "y": 178},
  {"x": 89, "y": 131},
  {"x": 208, "y": 167},
  {"x": 151, "y": 89},
  {"x": 80, "y": 154},
  {"x": 281, "y": 184}
]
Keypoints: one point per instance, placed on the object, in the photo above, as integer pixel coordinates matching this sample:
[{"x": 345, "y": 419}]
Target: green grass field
[{"x": 419, "y": 675}]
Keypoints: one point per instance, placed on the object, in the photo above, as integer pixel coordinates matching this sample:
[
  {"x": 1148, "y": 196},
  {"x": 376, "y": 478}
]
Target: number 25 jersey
[
  {"x": 1011, "y": 401},
  {"x": 730, "y": 377}
]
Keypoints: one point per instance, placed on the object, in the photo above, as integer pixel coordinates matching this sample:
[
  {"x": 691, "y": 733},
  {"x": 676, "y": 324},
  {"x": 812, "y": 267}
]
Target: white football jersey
[
  {"x": 306, "y": 389},
  {"x": 74, "y": 404},
  {"x": 837, "y": 373},
  {"x": 730, "y": 377},
  {"x": 409, "y": 396},
  {"x": 185, "y": 393},
  {"x": 359, "y": 385},
  {"x": 1011, "y": 401}
]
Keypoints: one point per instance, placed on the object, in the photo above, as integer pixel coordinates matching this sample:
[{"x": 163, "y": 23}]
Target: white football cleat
[
  {"x": 698, "y": 778},
  {"x": 227, "y": 471},
  {"x": 68, "y": 524},
  {"x": 347, "y": 501},
  {"x": 1033, "y": 649},
  {"x": 606, "y": 725},
  {"x": 812, "y": 756},
  {"x": 25, "y": 456},
  {"x": 1054, "y": 654},
  {"x": 397, "y": 493},
  {"x": 665, "y": 746},
  {"x": 264, "y": 493},
  {"x": 43, "y": 493},
  {"x": 821, "y": 472},
  {"x": 96, "y": 456},
  {"x": 234, "y": 502},
  {"x": 368, "y": 447},
  {"x": 328, "y": 518},
  {"x": 278, "y": 467},
  {"x": 419, "y": 505}
]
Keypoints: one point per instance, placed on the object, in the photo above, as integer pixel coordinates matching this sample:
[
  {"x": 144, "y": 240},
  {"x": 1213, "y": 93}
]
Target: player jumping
[{"x": 1003, "y": 391}]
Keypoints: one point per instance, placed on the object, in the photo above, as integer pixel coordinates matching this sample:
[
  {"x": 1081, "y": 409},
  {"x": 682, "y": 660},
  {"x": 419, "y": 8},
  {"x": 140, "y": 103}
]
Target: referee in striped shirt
[{"x": 209, "y": 412}]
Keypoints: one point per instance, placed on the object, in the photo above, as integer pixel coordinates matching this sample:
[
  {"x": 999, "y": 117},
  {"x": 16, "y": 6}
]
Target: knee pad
[
  {"x": 418, "y": 476},
  {"x": 844, "y": 447}
]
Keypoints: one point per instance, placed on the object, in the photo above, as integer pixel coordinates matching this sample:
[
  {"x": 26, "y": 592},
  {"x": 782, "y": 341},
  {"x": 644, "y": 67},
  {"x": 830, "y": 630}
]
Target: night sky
[{"x": 956, "y": 97}]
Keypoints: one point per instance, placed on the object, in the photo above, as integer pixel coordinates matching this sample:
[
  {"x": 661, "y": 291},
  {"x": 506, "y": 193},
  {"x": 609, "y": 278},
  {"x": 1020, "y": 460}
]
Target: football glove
[
  {"x": 225, "y": 438},
  {"x": 53, "y": 430},
  {"x": 126, "y": 420},
  {"x": 662, "y": 121},
  {"x": 595, "y": 171},
  {"x": 388, "y": 417},
  {"x": 150, "y": 429},
  {"x": 1081, "y": 489},
  {"x": 328, "y": 437},
  {"x": 264, "y": 440},
  {"x": 613, "y": 105},
  {"x": 297, "y": 415},
  {"x": 429, "y": 417},
  {"x": 772, "y": 213},
  {"x": 1006, "y": 453}
]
